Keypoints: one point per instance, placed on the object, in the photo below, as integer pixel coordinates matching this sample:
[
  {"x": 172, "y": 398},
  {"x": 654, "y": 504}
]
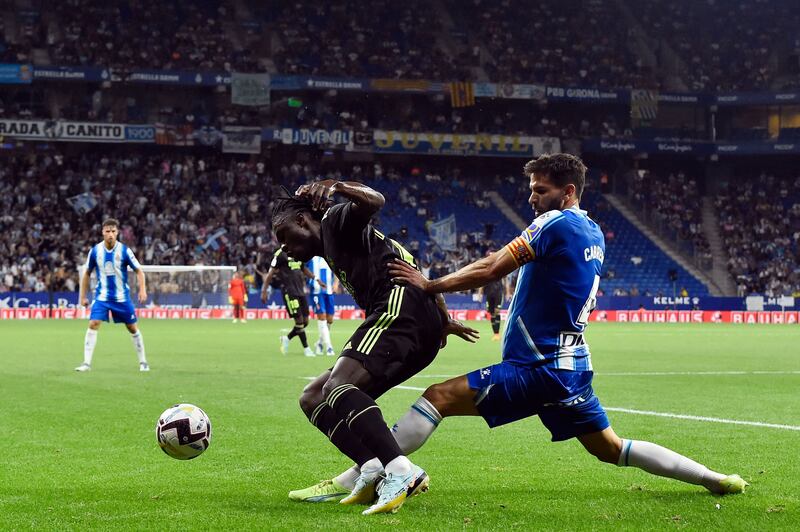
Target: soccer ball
[{"x": 183, "y": 431}]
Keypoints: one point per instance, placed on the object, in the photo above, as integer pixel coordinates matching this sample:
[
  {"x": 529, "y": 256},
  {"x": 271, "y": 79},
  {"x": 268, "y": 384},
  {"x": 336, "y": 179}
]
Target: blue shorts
[
  {"x": 122, "y": 312},
  {"x": 323, "y": 304},
  {"x": 563, "y": 399}
]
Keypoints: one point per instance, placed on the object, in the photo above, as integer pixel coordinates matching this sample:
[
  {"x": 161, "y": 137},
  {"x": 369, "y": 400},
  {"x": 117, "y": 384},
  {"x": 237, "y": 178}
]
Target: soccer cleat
[
  {"x": 318, "y": 348},
  {"x": 732, "y": 484},
  {"x": 495, "y": 337},
  {"x": 243, "y": 320},
  {"x": 330, "y": 352},
  {"x": 308, "y": 352},
  {"x": 144, "y": 366},
  {"x": 235, "y": 320},
  {"x": 396, "y": 489},
  {"x": 284, "y": 344},
  {"x": 84, "y": 367},
  {"x": 364, "y": 490},
  {"x": 325, "y": 491}
]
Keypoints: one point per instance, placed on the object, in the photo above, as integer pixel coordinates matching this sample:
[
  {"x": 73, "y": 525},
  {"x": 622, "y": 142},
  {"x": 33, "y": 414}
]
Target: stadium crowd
[
  {"x": 744, "y": 45},
  {"x": 673, "y": 205},
  {"x": 760, "y": 225},
  {"x": 185, "y": 210}
]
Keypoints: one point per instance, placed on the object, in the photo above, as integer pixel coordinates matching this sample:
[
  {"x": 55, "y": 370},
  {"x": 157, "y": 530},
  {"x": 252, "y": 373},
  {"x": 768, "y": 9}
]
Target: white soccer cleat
[
  {"x": 243, "y": 320},
  {"x": 318, "y": 348},
  {"x": 84, "y": 367},
  {"x": 396, "y": 489},
  {"x": 235, "y": 320},
  {"x": 284, "y": 344},
  {"x": 364, "y": 490},
  {"x": 144, "y": 366},
  {"x": 308, "y": 352},
  {"x": 330, "y": 352}
]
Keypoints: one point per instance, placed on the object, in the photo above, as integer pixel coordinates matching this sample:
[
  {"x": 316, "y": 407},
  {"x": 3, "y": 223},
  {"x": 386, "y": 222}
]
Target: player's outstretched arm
[
  {"x": 479, "y": 273},
  {"x": 366, "y": 200}
]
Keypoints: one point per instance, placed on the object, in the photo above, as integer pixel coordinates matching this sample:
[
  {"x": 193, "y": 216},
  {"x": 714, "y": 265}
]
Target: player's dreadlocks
[{"x": 286, "y": 206}]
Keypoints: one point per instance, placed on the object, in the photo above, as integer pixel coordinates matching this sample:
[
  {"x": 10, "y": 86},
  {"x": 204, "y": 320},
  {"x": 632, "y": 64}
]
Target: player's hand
[
  {"x": 462, "y": 331},
  {"x": 230, "y": 300},
  {"x": 403, "y": 273},
  {"x": 264, "y": 296},
  {"x": 322, "y": 285},
  {"x": 84, "y": 301},
  {"x": 142, "y": 297},
  {"x": 245, "y": 298},
  {"x": 320, "y": 193}
]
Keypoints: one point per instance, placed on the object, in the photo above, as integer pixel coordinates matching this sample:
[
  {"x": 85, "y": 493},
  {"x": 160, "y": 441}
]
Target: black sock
[
  {"x": 496, "y": 323},
  {"x": 303, "y": 339},
  {"x": 365, "y": 421},
  {"x": 298, "y": 331},
  {"x": 325, "y": 419}
]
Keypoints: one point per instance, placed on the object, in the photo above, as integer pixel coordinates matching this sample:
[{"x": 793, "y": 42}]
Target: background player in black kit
[
  {"x": 291, "y": 275},
  {"x": 402, "y": 334},
  {"x": 493, "y": 292}
]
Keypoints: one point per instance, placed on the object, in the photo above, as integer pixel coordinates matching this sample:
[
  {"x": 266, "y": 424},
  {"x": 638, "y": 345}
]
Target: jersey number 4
[{"x": 591, "y": 303}]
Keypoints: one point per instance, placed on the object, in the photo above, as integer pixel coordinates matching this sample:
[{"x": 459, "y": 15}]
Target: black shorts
[
  {"x": 296, "y": 306},
  {"x": 493, "y": 303},
  {"x": 398, "y": 340}
]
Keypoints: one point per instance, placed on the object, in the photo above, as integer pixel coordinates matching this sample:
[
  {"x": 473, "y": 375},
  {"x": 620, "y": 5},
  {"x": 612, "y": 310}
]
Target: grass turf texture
[{"x": 79, "y": 450}]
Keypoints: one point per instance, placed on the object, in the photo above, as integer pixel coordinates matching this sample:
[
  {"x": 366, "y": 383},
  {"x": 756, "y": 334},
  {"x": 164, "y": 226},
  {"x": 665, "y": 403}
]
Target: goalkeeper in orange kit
[{"x": 237, "y": 296}]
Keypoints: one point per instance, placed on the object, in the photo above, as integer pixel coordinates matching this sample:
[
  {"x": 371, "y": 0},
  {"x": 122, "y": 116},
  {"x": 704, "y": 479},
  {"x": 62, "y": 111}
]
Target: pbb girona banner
[{"x": 611, "y": 316}]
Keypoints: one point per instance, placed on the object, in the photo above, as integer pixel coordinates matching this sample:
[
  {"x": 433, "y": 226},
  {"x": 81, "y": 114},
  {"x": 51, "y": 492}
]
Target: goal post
[{"x": 180, "y": 286}]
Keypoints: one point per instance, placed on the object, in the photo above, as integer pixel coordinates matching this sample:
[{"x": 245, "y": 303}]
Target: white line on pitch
[
  {"x": 703, "y": 418},
  {"x": 659, "y": 414}
]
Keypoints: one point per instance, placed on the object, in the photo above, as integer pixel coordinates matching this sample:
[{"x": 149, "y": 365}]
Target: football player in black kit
[
  {"x": 291, "y": 274},
  {"x": 493, "y": 292},
  {"x": 401, "y": 335}
]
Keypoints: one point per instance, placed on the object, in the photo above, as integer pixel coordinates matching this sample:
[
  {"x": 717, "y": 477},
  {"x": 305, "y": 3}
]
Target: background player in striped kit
[
  {"x": 110, "y": 260},
  {"x": 322, "y": 288},
  {"x": 493, "y": 292}
]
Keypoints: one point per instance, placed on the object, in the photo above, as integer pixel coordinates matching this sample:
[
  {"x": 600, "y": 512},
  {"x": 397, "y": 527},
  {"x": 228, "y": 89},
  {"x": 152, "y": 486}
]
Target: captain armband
[{"x": 520, "y": 250}]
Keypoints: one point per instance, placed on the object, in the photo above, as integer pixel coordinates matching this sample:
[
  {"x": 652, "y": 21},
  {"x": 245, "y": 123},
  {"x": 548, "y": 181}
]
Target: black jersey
[
  {"x": 358, "y": 254},
  {"x": 494, "y": 289},
  {"x": 290, "y": 273}
]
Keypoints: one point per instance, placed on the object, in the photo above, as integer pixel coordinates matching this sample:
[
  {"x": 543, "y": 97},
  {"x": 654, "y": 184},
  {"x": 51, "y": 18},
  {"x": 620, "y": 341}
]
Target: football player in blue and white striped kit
[
  {"x": 322, "y": 297},
  {"x": 109, "y": 260},
  {"x": 546, "y": 368}
]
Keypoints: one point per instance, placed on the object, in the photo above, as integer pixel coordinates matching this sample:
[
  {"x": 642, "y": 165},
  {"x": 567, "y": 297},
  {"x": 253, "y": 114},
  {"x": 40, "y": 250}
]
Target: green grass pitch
[{"x": 79, "y": 450}]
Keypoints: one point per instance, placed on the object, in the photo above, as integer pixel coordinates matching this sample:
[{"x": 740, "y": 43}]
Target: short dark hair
[
  {"x": 561, "y": 168},
  {"x": 111, "y": 222}
]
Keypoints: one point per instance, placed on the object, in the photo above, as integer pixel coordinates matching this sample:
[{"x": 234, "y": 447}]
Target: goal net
[{"x": 173, "y": 286}]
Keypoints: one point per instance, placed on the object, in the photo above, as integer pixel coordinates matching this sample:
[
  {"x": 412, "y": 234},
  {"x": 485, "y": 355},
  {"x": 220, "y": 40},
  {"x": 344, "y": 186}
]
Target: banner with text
[
  {"x": 236, "y": 139},
  {"x": 455, "y": 144},
  {"x": 63, "y": 131},
  {"x": 250, "y": 89}
]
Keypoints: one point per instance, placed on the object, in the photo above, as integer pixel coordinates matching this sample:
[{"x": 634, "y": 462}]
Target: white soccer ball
[{"x": 183, "y": 431}]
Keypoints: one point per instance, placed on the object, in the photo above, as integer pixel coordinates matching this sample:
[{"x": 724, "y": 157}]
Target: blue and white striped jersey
[
  {"x": 111, "y": 268},
  {"x": 321, "y": 271},
  {"x": 561, "y": 254}
]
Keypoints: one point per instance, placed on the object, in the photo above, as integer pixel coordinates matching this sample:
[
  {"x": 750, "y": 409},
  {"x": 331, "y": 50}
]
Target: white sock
[
  {"x": 324, "y": 334},
  {"x": 411, "y": 431},
  {"x": 88, "y": 346},
  {"x": 347, "y": 479},
  {"x": 399, "y": 466},
  {"x": 138, "y": 343},
  {"x": 415, "y": 427},
  {"x": 373, "y": 464},
  {"x": 661, "y": 461}
]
